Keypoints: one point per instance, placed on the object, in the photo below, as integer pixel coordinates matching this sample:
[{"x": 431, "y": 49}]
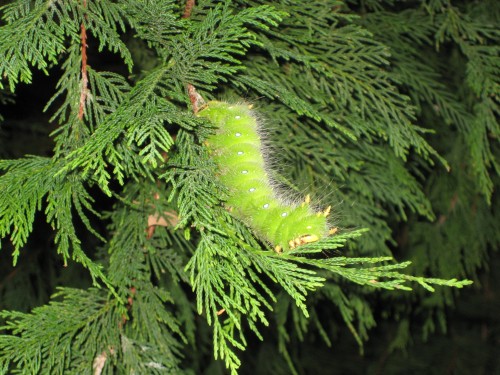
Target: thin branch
[
  {"x": 195, "y": 98},
  {"x": 188, "y": 8},
  {"x": 130, "y": 302},
  {"x": 85, "y": 79}
]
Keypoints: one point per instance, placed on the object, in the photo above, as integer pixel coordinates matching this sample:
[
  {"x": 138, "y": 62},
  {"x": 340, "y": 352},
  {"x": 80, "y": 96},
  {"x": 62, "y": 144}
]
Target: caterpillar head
[{"x": 300, "y": 226}]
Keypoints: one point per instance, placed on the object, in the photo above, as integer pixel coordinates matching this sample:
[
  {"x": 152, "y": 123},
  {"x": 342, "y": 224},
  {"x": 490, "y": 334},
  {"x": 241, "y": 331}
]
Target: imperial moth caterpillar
[{"x": 237, "y": 149}]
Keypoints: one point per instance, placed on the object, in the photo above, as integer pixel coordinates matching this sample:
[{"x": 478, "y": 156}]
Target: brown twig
[
  {"x": 195, "y": 98},
  {"x": 85, "y": 79},
  {"x": 130, "y": 302},
  {"x": 188, "y": 8}
]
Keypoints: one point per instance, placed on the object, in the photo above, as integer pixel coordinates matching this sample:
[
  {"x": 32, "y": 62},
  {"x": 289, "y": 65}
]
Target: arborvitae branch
[{"x": 347, "y": 99}]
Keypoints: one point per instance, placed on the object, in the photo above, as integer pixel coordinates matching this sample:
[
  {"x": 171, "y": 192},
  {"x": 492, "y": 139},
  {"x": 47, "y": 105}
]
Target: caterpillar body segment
[{"x": 237, "y": 149}]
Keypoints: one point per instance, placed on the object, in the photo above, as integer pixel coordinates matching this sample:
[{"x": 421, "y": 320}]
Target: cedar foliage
[{"x": 387, "y": 109}]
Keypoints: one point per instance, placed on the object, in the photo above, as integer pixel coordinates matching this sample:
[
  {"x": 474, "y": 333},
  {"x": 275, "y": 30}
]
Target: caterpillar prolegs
[{"x": 237, "y": 149}]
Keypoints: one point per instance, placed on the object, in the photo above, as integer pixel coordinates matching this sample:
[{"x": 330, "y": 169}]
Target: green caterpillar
[{"x": 236, "y": 147}]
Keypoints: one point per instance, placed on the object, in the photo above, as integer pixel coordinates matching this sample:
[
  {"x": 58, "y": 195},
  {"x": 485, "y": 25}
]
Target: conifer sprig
[
  {"x": 33, "y": 36},
  {"x": 79, "y": 323}
]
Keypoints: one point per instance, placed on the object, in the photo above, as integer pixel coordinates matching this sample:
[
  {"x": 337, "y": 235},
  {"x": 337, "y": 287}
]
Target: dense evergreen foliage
[{"x": 117, "y": 254}]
